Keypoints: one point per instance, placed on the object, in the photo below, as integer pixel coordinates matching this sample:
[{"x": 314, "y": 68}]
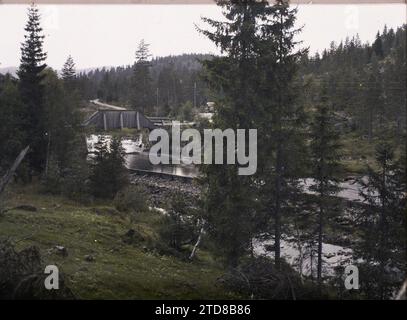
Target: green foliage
[
  {"x": 76, "y": 175},
  {"x": 108, "y": 174},
  {"x": 185, "y": 112},
  {"x": 11, "y": 131},
  {"x": 229, "y": 199},
  {"x": 119, "y": 270},
  {"x": 254, "y": 82},
  {"x": 382, "y": 223},
  {"x": 366, "y": 83},
  {"x": 131, "y": 199},
  {"x": 69, "y": 77},
  {"x": 173, "y": 80},
  {"x": 52, "y": 177},
  {"x": 142, "y": 90},
  {"x": 179, "y": 226},
  {"x": 325, "y": 150},
  {"x": 31, "y": 89}
]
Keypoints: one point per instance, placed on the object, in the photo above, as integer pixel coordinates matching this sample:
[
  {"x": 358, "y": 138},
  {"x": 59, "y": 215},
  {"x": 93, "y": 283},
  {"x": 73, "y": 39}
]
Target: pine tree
[
  {"x": 108, "y": 174},
  {"x": 383, "y": 219},
  {"x": 62, "y": 117},
  {"x": 378, "y": 46},
  {"x": 281, "y": 121},
  {"x": 325, "y": 167},
  {"x": 31, "y": 89},
  {"x": 142, "y": 88},
  {"x": 229, "y": 200},
  {"x": 69, "y": 74}
]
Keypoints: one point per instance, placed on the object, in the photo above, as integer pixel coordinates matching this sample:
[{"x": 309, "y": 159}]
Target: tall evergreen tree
[
  {"x": 229, "y": 200},
  {"x": 31, "y": 89},
  {"x": 325, "y": 167},
  {"x": 69, "y": 74},
  {"x": 383, "y": 219},
  {"x": 281, "y": 140},
  {"x": 68, "y": 70},
  {"x": 142, "y": 88},
  {"x": 62, "y": 117},
  {"x": 378, "y": 46}
]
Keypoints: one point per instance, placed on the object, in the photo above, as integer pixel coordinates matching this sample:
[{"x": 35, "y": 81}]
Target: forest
[{"x": 328, "y": 124}]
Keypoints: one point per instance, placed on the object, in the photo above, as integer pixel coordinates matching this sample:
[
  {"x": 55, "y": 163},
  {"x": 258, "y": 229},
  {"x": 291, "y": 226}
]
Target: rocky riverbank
[{"x": 161, "y": 189}]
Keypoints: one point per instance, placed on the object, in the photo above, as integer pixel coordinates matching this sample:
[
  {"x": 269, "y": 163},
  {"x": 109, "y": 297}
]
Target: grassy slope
[
  {"x": 358, "y": 152},
  {"x": 120, "y": 271}
]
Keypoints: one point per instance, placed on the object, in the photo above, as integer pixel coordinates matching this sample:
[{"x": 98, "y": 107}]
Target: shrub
[
  {"x": 109, "y": 174},
  {"x": 51, "y": 181},
  {"x": 179, "y": 226},
  {"x": 131, "y": 199}
]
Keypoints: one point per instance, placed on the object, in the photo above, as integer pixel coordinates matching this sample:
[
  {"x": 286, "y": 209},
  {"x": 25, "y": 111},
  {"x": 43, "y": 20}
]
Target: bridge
[{"x": 119, "y": 119}]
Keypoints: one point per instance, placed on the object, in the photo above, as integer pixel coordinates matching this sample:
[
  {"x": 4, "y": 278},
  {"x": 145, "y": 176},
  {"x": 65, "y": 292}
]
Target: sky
[{"x": 107, "y": 35}]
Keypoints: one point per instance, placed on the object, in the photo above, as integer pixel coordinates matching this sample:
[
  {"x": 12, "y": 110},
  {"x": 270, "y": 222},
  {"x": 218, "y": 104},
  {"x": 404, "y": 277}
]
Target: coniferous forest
[{"x": 328, "y": 195}]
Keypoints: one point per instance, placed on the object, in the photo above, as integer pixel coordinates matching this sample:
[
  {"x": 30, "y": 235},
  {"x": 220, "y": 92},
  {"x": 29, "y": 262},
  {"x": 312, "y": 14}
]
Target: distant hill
[{"x": 11, "y": 70}]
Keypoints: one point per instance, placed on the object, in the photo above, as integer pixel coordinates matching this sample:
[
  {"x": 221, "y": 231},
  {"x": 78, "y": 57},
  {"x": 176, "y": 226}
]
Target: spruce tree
[
  {"x": 142, "y": 88},
  {"x": 382, "y": 222},
  {"x": 69, "y": 74},
  {"x": 31, "y": 89},
  {"x": 325, "y": 167},
  {"x": 229, "y": 199},
  {"x": 281, "y": 123},
  {"x": 378, "y": 46},
  {"x": 108, "y": 172}
]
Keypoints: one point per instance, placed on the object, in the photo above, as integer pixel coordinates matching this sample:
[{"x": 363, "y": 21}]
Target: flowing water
[{"x": 138, "y": 159}]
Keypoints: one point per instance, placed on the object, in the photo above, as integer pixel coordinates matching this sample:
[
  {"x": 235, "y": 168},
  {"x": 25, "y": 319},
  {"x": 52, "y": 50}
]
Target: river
[{"x": 138, "y": 159}]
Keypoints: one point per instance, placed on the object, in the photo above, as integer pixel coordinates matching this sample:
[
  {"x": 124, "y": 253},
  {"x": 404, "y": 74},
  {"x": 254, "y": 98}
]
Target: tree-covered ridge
[
  {"x": 174, "y": 81},
  {"x": 367, "y": 82}
]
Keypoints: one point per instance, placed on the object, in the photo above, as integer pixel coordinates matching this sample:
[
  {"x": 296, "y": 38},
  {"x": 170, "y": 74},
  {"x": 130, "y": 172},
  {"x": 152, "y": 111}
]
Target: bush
[
  {"x": 51, "y": 182},
  {"x": 179, "y": 226},
  {"x": 131, "y": 199},
  {"x": 109, "y": 174},
  {"x": 75, "y": 182}
]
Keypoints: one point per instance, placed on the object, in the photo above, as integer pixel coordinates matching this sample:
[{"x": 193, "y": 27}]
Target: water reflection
[{"x": 141, "y": 161}]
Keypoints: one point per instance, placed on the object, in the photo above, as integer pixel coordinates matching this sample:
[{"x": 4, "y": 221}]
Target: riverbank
[
  {"x": 338, "y": 242},
  {"x": 161, "y": 188}
]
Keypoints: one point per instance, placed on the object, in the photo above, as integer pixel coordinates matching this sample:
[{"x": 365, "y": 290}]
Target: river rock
[{"x": 62, "y": 251}]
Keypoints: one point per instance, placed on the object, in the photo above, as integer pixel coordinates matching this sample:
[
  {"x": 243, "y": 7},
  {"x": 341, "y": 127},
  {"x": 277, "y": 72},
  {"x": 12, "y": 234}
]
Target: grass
[
  {"x": 358, "y": 153},
  {"x": 120, "y": 271}
]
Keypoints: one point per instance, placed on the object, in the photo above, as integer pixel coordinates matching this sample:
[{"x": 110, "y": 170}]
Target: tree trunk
[
  {"x": 277, "y": 213},
  {"x": 196, "y": 244},
  {"x": 320, "y": 228}
]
